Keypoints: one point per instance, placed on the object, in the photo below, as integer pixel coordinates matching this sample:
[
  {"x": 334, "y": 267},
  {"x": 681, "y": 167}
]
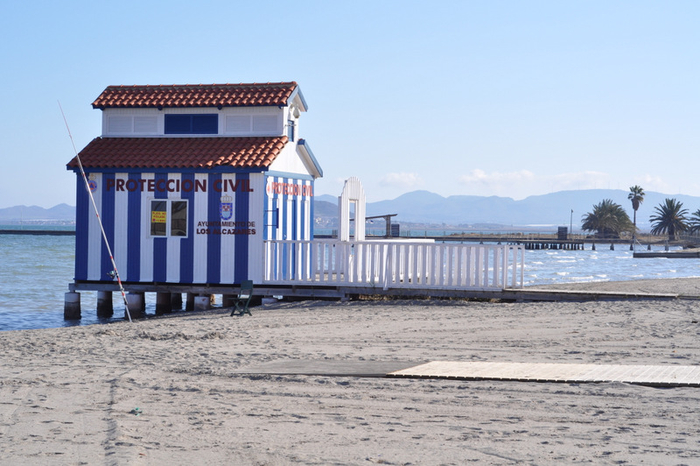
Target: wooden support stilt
[{"x": 105, "y": 308}]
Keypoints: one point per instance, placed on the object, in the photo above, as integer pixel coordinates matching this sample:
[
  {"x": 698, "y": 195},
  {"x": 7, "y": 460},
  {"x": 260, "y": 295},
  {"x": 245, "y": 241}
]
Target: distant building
[{"x": 190, "y": 180}]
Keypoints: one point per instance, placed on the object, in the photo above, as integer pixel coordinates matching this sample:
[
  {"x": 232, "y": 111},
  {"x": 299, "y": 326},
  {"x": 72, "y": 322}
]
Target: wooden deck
[{"x": 661, "y": 376}]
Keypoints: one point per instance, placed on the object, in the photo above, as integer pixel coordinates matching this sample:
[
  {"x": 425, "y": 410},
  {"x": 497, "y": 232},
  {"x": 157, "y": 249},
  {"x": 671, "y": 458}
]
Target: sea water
[{"x": 35, "y": 272}]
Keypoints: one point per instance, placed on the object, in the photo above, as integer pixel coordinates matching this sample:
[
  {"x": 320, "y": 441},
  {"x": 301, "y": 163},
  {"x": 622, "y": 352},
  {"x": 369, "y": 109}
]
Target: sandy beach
[{"x": 171, "y": 390}]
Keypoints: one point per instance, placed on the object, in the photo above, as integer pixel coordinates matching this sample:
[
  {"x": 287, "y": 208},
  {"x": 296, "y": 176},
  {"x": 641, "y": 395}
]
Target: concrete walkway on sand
[{"x": 651, "y": 375}]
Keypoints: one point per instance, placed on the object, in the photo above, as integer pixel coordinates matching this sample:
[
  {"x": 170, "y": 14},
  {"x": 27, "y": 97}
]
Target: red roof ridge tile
[{"x": 195, "y": 95}]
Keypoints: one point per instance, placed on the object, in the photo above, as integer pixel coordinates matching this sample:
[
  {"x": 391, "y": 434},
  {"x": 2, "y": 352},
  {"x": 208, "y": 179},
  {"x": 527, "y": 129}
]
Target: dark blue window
[{"x": 192, "y": 124}]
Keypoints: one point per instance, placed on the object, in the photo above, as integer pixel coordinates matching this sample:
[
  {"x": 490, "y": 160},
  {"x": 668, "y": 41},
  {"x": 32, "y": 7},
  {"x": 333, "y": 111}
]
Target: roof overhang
[
  {"x": 310, "y": 162},
  {"x": 297, "y": 98},
  {"x": 181, "y": 153}
]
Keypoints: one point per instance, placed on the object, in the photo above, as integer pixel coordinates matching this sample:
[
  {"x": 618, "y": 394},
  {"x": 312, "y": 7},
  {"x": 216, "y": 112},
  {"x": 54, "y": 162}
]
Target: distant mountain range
[
  {"x": 549, "y": 209},
  {"x": 61, "y": 213},
  {"x": 424, "y": 207}
]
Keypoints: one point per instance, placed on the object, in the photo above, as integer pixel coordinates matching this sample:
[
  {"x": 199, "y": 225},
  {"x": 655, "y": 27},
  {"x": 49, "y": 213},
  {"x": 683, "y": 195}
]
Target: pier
[
  {"x": 38, "y": 232},
  {"x": 692, "y": 253},
  {"x": 548, "y": 241}
]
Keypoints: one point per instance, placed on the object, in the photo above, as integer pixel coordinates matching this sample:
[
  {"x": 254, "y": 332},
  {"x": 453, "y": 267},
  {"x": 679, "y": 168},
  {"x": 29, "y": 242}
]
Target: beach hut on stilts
[
  {"x": 189, "y": 181},
  {"x": 195, "y": 189}
]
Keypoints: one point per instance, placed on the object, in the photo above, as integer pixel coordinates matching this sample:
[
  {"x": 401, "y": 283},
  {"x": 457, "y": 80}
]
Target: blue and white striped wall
[{"x": 264, "y": 206}]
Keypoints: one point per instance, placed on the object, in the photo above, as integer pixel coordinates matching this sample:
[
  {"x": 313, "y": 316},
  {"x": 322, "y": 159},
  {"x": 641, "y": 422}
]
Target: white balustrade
[{"x": 400, "y": 264}]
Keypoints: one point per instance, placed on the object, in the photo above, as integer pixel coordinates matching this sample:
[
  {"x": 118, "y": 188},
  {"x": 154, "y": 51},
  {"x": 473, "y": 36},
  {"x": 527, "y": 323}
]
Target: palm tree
[
  {"x": 636, "y": 195},
  {"x": 670, "y": 217},
  {"x": 607, "y": 219},
  {"x": 694, "y": 222}
]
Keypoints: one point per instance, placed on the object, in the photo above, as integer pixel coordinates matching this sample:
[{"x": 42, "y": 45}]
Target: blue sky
[{"x": 507, "y": 98}]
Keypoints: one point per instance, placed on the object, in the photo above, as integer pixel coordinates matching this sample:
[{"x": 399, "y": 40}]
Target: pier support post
[
  {"x": 612, "y": 246},
  {"x": 164, "y": 304},
  {"x": 202, "y": 303},
  {"x": 71, "y": 307},
  {"x": 189, "y": 305},
  {"x": 104, "y": 304},
  {"x": 592, "y": 246},
  {"x": 137, "y": 305},
  {"x": 176, "y": 301}
]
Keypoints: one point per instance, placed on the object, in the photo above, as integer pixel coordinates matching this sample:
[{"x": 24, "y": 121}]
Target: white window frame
[{"x": 168, "y": 218}]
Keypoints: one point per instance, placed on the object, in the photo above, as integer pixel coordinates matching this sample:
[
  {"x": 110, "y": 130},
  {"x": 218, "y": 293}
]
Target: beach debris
[{"x": 136, "y": 411}]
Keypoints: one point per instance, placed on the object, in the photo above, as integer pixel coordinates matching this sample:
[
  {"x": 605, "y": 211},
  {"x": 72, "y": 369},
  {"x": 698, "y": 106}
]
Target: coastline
[
  {"x": 687, "y": 286},
  {"x": 70, "y": 394}
]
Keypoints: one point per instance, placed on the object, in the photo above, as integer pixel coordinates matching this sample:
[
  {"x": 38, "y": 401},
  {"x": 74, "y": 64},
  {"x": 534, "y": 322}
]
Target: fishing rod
[{"x": 115, "y": 272}]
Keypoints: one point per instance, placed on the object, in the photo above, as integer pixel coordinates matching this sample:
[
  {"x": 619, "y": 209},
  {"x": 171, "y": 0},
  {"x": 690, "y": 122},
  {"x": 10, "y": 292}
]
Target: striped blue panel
[
  {"x": 213, "y": 240},
  {"x": 81, "y": 230},
  {"x": 242, "y": 214},
  {"x": 160, "y": 245},
  {"x": 187, "y": 244},
  {"x": 107, "y": 216},
  {"x": 134, "y": 234}
]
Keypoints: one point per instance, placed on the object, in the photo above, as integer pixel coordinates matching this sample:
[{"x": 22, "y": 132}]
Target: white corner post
[{"x": 353, "y": 194}]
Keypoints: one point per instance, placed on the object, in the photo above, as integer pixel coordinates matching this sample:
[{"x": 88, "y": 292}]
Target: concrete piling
[
  {"x": 164, "y": 303},
  {"x": 176, "y": 301},
  {"x": 71, "y": 307},
  {"x": 105, "y": 308},
  {"x": 189, "y": 304},
  {"x": 137, "y": 305},
  {"x": 202, "y": 303}
]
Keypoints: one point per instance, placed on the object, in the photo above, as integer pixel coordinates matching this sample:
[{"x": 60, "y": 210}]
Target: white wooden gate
[{"x": 401, "y": 264}]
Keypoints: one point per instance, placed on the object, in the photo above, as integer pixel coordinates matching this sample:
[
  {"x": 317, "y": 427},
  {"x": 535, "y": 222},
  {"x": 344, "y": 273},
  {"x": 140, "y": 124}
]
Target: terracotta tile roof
[
  {"x": 196, "y": 95},
  {"x": 253, "y": 152}
]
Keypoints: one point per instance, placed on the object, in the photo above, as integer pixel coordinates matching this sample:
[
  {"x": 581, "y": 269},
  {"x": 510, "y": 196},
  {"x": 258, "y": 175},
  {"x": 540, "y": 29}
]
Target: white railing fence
[{"x": 386, "y": 264}]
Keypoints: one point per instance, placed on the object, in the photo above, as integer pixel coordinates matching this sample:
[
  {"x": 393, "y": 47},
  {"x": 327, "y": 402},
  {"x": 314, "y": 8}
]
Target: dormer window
[
  {"x": 290, "y": 130},
  {"x": 191, "y": 124}
]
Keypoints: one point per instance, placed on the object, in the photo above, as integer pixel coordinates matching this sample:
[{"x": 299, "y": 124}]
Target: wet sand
[{"x": 69, "y": 395}]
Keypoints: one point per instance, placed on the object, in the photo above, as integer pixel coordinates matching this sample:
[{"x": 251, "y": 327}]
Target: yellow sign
[{"x": 158, "y": 217}]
